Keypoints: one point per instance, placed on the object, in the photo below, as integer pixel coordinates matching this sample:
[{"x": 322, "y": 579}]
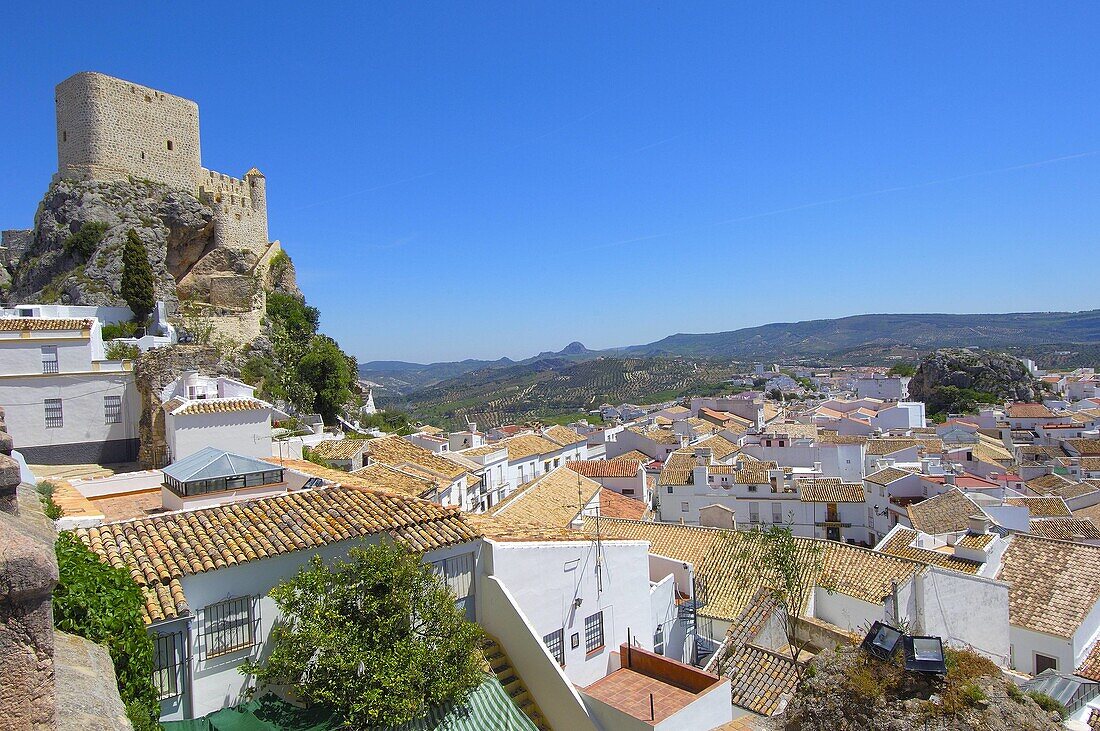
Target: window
[
  {"x": 54, "y": 417},
  {"x": 170, "y": 145},
  {"x": 457, "y": 573},
  {"x": 1045, "y": 662},
  {"x": 229, "y": 626},
  {"x": 683, "y": 507},
  {"x": 659, "y": 640},
  {"x": 777, "y": 513},
  {"x": 669, "y": 488},
  {"x": 628, "y": 491},
  {"x": 169, "y": 660},
  {"x": 555, "y": 643},
  {"x": 593, "y": 632},
  {"x": 752, "y": 488},
  {"x": 112, "y": 409},
  {"x": 49, "y": 359},
  {"x": 870, "y": 515},
  {"x": 754, "y": 512}
]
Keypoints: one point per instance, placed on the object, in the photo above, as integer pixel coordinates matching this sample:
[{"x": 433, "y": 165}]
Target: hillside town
[{"x": 619, "y": 566}]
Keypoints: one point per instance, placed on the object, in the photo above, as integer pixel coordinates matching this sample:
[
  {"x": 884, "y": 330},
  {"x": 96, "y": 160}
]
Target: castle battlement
[{"x": 111, "y": 129}]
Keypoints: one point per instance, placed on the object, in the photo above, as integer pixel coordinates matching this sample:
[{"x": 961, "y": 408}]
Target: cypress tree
[{"x": 137, "y": 277}]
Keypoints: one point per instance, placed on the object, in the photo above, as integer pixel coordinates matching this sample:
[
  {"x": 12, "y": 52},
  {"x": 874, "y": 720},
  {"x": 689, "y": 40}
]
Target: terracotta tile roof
[
  {"x": 794, "y": 431},
  {"x": 342, "y": 449},
  {"x": 828, "y": 490},
  {"x": 1089, "y": 464},
  {"x": 831, "y": 437},
  {"x": 1076, "y": 489},
  {"x": 485, "y": 449},
  {"x": 563, "y": 435},
  {"x": 523, "y": 446},
  {"x": 900, "y": 544},
  {"x": 730, "y": 562},
  {"x": 160, "y": 550},
  {"x": 398, "y": 452},
  {"x": 1090, "y": 668},
  {"x": 554, "y": 499},
  {"x": 1065, "y": 529},
  {"x": 880, "y": 447},
  {"x": 887, "y": 475},
  {"x": 390, "y": 479},
  {"x": 1084, "y": 447},
  {"x": 632, "y": 455},
  {"x": 1028, "y": 411},
  {"x": 1046, "y": 484},
  {"x": 216, "y": 406},
  {"x": 720, "y": 447},
  {"x": 976, "y": 541},
  {"x": 678, "y": 469},
  {"x": 604, "y": 468},
  {"x": 761, "y": 680},
  {"x": 948, "y": 512},
  {"x": 1042, "y": 507},
  {"x": 614, "y": 505},
  {"x": 659, "y": 436},
  {"x": 20, "y": 324},
  {"x": 753, "y": 473},
  {"x": 1053, "y": 584}
]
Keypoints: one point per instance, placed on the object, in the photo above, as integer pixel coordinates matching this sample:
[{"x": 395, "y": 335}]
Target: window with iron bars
[
  {"x": 49, "y": 359},
  {"x": 170, "y": 659},
  {"x": 230, "y": 625},
  {"x": 112, "y": 409},
  {"x": 555, "y": 643},
  {"x": 55, "y": 418},
  {"x": 593, "y": 632}
]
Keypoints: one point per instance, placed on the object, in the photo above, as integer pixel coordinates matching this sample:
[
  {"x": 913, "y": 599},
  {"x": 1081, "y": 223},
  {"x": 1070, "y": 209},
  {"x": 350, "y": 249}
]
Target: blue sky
[{"x": 481, "y": 179}]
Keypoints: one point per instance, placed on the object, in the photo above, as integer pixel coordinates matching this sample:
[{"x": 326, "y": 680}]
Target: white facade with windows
[{"x": 64, "y": 400}]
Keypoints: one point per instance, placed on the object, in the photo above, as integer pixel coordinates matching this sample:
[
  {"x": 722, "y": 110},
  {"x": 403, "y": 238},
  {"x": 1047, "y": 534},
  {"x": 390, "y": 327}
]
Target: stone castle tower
[{"x": 111, "y": 129}]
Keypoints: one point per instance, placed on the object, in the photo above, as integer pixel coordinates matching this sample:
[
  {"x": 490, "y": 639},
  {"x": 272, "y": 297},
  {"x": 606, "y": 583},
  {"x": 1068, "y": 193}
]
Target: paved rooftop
[{"x": 629, "y": 691}]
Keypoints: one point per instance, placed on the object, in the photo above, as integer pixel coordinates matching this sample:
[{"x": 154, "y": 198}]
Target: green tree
[
  {"x": 330, "y": 374},
  {"x": 376, "y": 638},
  {"x": 83, "y": 243},
  {"x": 293, "y": 316},
  {"x": 136, "y": 286},
  {"x": 103, "y": 604},
  {"x": 902, "y": 369}
]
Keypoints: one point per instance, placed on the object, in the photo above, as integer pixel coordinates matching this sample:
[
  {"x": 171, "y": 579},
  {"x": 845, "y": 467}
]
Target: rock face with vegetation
[
  {"x": 956, "y": 379},
  {"x": 846, "y": 690},
  {"x": 81, "y": 229}
]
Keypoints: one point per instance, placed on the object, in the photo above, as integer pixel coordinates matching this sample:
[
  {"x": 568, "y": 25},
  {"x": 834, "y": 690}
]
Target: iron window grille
[
  {"x": 112, "y": 409},
  {"x": 49, "y": 359},
  {"x": 230, "y": 625},
  {"x": 170, "y": 660},
  {"x": 555, "y": 643},
  {"x": 593, "y": 632},
  {"x": 55, "y": 418}
]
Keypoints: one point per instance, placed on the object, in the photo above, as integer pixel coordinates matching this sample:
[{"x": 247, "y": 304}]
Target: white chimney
[
  {"x": 979, "y": 524},
  {"x": 949, "y": 478}
]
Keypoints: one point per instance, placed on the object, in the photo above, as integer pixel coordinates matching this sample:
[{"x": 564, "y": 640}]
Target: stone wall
[
  {"x": 48, "y": 679},
  {"x": 13, "y": 243},
  {"x": 28, "y": 574},
  {"x": 240, "y": 209},
  {"x": 108, "y": 129}
]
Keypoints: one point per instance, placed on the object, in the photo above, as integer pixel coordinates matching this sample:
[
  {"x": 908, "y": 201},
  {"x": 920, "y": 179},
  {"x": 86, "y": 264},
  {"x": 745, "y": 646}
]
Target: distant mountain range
[{"x": 827, "y": 339}]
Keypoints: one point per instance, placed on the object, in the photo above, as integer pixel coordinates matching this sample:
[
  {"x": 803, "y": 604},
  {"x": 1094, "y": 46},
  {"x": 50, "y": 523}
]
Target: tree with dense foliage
[
  {"x": 330, "y": 374},
  {"x": 376, "y": 638},
  {"x": 905, "y": 370},
  {"x": 103, "y": 604},
  {"x": 136, "y": 285},
  {"x": 83, "y": 243}
]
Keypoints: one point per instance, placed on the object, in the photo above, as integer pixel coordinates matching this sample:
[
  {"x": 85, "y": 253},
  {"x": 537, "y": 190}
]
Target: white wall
[
  {"x": 239, "y": 432},
  {"x": 1025, "y": 643},
  {"x": 965, "y": 610},
  {"x": 546, "y": 579}
]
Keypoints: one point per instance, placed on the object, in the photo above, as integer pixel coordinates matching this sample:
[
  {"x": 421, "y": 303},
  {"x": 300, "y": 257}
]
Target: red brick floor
[{"x": 629, "y": 692}]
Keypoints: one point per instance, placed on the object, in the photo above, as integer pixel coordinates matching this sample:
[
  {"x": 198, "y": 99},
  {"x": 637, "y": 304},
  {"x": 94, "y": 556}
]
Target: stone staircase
[{"x": 501, "y": 666}]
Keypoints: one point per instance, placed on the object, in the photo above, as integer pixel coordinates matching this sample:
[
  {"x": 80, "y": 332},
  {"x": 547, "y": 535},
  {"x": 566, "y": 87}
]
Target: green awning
[{"x": 488, "y": 707}]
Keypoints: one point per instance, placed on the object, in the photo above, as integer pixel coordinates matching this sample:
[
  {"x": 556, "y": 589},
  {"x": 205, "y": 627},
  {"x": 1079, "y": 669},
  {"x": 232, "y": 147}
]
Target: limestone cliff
[
  {"x": 219, "y": 288},
  {"x": 946, "y": 379}
]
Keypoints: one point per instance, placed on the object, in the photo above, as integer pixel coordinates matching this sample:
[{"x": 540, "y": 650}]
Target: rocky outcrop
[
  {"x": 175, "y": 227},
  {"x": 996, "y": 374},
  {"x": 154, "y": 371},
  {"x": 845, "y": 691}
]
